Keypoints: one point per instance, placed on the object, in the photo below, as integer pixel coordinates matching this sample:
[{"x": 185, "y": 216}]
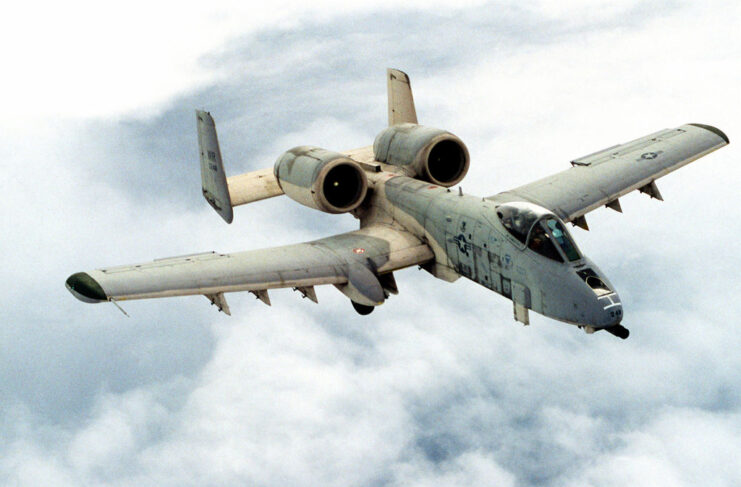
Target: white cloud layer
[
  {"x": 90, "y": 59},
  {"x": 678, "y": 448},
  {"x": 438, "y": 386}
]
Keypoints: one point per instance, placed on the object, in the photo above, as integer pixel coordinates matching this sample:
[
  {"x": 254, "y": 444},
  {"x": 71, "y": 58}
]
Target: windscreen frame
[
  {"x": 517, "y": 216},
  {"x": 567, "y": 238}
]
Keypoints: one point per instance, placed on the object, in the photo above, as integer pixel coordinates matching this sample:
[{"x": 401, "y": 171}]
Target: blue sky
[{"x": 439, "y": 386}]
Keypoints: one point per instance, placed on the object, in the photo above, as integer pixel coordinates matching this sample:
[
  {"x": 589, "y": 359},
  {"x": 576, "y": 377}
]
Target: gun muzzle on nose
[{"x": 618, "y": 330}]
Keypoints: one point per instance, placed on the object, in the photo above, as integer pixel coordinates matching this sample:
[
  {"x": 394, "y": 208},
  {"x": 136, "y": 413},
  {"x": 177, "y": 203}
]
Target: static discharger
[{"x": 119, "y": 307}]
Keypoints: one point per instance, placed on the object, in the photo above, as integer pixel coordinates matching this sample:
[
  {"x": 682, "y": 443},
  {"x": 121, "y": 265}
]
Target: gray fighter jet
[{"x": 515, "y": 243}]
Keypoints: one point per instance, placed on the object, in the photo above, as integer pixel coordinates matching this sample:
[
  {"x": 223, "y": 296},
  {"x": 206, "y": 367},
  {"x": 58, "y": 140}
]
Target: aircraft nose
[
  {"x": 612, "y": 309},
  {"x": 85, "y": 288},
  {"x": 612, "y": 315}
]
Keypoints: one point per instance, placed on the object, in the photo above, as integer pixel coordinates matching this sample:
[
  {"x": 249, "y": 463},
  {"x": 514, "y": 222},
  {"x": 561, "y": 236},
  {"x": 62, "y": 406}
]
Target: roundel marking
[
  {"x": 359, "y": 250},
  {"x": 649, "y": 155}
]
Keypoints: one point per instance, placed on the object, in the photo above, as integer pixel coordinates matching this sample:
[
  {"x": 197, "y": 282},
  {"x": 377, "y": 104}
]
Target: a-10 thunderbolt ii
[{"x": 515, "y": 243}]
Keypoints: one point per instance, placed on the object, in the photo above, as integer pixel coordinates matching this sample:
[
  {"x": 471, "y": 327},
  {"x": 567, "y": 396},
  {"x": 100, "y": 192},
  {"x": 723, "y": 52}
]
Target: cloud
[
  {"x": 86, "y": 60},
  {"x": 679, "y": 447},
  {"x": 438, "y": 386}
]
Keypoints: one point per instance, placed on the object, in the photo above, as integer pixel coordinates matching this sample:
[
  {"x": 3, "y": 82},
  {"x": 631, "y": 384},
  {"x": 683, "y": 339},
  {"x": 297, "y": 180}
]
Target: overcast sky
[{"x": 439, "y": 386}]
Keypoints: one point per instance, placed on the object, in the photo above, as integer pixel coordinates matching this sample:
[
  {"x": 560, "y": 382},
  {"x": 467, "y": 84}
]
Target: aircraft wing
[
  {"x": 599, "y": 179},
  {"x": 352, "y": 261}
]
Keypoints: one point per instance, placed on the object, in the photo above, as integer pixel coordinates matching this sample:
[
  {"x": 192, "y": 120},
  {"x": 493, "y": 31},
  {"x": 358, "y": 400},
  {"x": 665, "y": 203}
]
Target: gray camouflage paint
[
  {"x": 468, "y": 239},
  {"x": 600, "y": 178},
  {"x": 341, "y": 260},
  {"x": 406, "y": 221}
]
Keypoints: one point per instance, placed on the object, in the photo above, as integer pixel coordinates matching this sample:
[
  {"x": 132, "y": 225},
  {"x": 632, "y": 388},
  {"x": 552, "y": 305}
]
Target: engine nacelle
[
  {"x": 321, "y": 179},
  {"x": 427, "y": 153}
]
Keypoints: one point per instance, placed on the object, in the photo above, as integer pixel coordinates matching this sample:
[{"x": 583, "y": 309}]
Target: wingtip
[
  {"x": 85, "y": 288},
  {"x": 712, "y": 129}
]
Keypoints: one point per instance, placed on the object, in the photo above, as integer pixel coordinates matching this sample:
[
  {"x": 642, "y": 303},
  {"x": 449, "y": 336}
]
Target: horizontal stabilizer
[
  {"x": 213, "y": 178},
  {"x": 253, "y": 186}
]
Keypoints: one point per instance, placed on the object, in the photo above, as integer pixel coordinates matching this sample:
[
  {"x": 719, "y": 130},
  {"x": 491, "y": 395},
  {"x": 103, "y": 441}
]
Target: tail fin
[
  {"x": 401, "y": 102},
  {"x": 213, "y": 178},
  {"x": 223, "y": 194}
]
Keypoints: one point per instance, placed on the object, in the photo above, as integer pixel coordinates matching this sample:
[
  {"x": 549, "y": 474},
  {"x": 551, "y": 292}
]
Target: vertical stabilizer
[
  {"x": 213, "y": 179},
  {"x": 401, "y": 102}
]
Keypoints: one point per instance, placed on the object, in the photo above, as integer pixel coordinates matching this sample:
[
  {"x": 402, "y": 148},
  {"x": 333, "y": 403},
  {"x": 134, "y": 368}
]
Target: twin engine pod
[
  {"x": 426, "y": 153},
  {"x": 321, "y": 179},
  {"x": 334, "y": 183}
]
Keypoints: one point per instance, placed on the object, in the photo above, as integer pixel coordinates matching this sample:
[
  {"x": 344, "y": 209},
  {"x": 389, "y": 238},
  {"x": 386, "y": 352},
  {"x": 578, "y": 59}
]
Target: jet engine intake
[
  {"x": 321, "y": 179},
  {"x": 427, "y": 153}
]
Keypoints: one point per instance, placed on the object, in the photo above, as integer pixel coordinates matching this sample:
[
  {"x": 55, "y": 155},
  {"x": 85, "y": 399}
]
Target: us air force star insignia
[
  {"x": 649, "y": 155},
  {"x": 460, "y": 241},
  {"x": 359, "y": 250}
]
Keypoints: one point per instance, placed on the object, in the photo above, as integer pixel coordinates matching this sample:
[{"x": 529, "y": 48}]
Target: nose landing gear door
[{"x": 522, "y": 303}]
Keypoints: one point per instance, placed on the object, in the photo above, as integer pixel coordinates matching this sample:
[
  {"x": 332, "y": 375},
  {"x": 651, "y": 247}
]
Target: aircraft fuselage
[{"x": 468, "y": 239}]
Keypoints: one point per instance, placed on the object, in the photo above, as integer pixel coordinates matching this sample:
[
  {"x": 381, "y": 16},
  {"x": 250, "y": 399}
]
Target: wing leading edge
[
  {"x": 351, "y": 261},
  {"x": 599, "y": 179}
]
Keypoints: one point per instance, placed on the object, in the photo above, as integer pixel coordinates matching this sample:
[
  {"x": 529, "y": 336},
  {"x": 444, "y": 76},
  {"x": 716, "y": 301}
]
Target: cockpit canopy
[{"x": 539, "y": 230}]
